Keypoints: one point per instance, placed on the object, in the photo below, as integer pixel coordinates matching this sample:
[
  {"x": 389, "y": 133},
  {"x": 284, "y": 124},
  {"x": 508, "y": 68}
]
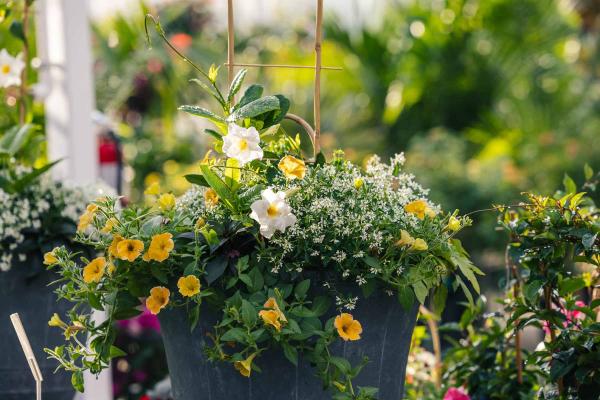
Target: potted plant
[
  {"x": 275, "y": 275},
  {"x": 36, "y": 215}
]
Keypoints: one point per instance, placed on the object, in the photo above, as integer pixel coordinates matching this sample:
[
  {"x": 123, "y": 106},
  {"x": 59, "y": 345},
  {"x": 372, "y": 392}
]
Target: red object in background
[
  {"x": 108, "y": 150},
  {"x": 145, "y": 397},
  {"x": 181, "y": 40}
]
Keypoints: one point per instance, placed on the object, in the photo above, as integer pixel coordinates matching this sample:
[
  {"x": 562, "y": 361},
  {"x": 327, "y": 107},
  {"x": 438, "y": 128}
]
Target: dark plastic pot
[
  {"x": 386, "y": 338},
  {"x": 34, "y": 300}
]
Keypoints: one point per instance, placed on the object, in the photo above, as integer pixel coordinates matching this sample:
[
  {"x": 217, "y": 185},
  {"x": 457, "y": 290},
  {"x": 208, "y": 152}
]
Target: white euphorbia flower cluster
[
  {"x": 242, "y": 144},
  {"x": 26, "y": 212},
  {"x": 272, "y": 212},
  {"x": 10, "y": 69}
]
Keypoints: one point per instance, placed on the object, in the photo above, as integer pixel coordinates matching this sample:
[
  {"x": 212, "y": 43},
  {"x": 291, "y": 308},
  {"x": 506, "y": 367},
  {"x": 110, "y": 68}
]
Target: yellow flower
[
  {"x": 159, "y": 298},
  {"x": 111, "y": 268},
  {"x": 112, "y": 249},
  {"x": 84, "y": 221},
  {"x": 129, "y": 249},
  {"x": 292, "y": 167},
  {"x": 72, "y": 330},
  {"x": 245, "y": 366},
  {"x": 94, "y": 271},
  {"x": 153, "y": 189},
  {"x": 56, "y": 321},
  {"x": 200, "y": 223},
  {"x": 50, "y": 258},
  {"x": 453, "y": 223},
  {"x": 166, "y": 201},
  {"x": 109, "y": 225},
  {"x": 272, "y": 304},
  {"x": 347, "y": 327},
  {"x": 160, "y": 246},
  {"x": 188, "y": 285},
  {"x": 420, "y": 208},
  {"x": 270, "y": 317},
  {"x": 91, "y": 208},
  {"x": 419, "y": 245},
  {"x": 405, "y": 239},
  {"x": 358, "y": 183},
  {"x": 210, "y": 197}
]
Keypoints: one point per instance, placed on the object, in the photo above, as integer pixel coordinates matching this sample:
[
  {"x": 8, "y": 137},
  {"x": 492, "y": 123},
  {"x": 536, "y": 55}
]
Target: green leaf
[
  {"x": 249, "y": 313},
  {"x": 94, "y": 301},
  {"x": 301, "y": 289},
  {"x": 255, "y": 108},
  {"x": 236, "y": 84},
  {"x": 569, "y": 184},
  {"x": 12, "y": 141},
  {"x": 532, "y": 289},
  {"x": 290, "y": 353},
  {"x": 194, "y": 317},
  {"x": 152, "y": 225},
  {"x": 233, "y": 173},
  {"x": 215, "y": 268},
  {"x": 257, "y": 280},
  {"x": 421, "y": 291},
  {"x": 196, "y": 179},
  {"x": 341, "y": 364},
  {"x": 16, "y": 28},
  {"x": 160, "y": 274},
  {"x": 20, "y": 184},
  {"x": 116, "y": 352},
  {"x": 464, "y": 264},
  {"x": 588, "y": 240},
  {"x": 208, "y": 89},
  {"x": 320, "y": 305},
  {"x": 77, "y": 381},
  {"x": 440, "y": 295},
  {"x": 588, "y": 172},
  {"x": 234, "y": 335},
  {"x": 406, "y": 296},
  {"x": 204, "y": 113},
  {"x": 215, "y": 182},
  {"x": 253, "y": 92},
  {"x": 570, "y": 285}
]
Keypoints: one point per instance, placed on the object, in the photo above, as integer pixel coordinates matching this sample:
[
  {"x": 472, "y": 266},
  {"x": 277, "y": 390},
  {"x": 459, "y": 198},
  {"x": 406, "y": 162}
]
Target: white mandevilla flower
[
  {"x": 10, "y": 69},
  {"x": 242, "y": 144},
  {"x": 272, "y": 212}
]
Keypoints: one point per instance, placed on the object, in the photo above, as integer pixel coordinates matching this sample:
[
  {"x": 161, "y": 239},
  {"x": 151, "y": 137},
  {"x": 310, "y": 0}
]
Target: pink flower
[
  {"x": 456, "y": 394},
  {"x": 571, "y": 317}
]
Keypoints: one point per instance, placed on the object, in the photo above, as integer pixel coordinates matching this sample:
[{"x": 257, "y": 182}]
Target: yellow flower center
[
  {"x": 5, "y": 69},
  {"x": 243, "y": 144},
  {"x": 272, "y": 211}
]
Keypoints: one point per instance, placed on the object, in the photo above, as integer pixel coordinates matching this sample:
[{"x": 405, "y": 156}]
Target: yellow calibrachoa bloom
[
  {"x": 347, "y": 327},
  {"x": 453, "y": 223},
  {"x": 292, "y": 167},
  {"x": 159, "y": 298},
  {"x": 271, "y": 317},
  {"x": 109, "y": 225},
  {"x": 245, "y": 366},
  {"x": 153, "y": 189},
  {"x": 160, "y": 247},
  {"x": 111, "y": 268},
  {"x": 272, "y": 304},
  {"x": 211, "y": 198},
  {"x": 129, "y": 249},
  {"x": 358, "y": 183},
  {"x": 405, "y": 239},
  {"x": 50, "y": 258},
  {"x": 166, "y": 201},
  {"x": 84, "y": 221},
  {"x": 419, "y": 245},
  {"x": 420, "y": 208},
  {"x": 188, "y": 285},
  {"x": 112, "y": 249},
  {"x": 94, "y": 271},
  {"x": 56, "y": 321}
]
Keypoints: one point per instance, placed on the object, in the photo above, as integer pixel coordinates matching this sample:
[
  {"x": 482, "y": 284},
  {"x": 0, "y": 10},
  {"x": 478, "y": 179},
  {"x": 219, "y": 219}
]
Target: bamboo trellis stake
[
  {"x": 33, "y": 365},
  {"x": 318, "y": 67}
]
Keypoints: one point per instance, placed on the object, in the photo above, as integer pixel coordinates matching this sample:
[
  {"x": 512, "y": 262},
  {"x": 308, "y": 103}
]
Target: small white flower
[
  {"x": 242, "y": 144},
  {"x": 272, "y": 212},
  {"x": 10, "y": 69}
]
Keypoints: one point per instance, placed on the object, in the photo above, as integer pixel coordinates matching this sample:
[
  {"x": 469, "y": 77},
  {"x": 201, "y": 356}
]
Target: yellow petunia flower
[
  {"x": 419, "y": 245},
  {"x": 166, "y": 201},
  {"x": 153, "y": 189},
  {"x": 94, "y": 271},
  {"x": 91, "y": 208},
  {"x": 160, "y": 247},
  {"x": 56, "y": 321},
  {"x": 188, "y": 285},
  {"x": 200, "y": 223},
  {"x": 272, "y": 304},
  {"x": 358, "y": 183},
  {"x": 159, "y": 298},
  {"x": 245, "y": 366},
  {"x": 211, "y": 198},
  {"x": 129, "y": 249},
  {"x": 453, "y": 223},
  {"x": 112, "y": 249},
  {"x": 271, "y": 317},
  {"x": 50, "y": 258},
  {"x": 292, "y": 167},
  {"x": 405, "y": 239},
  {"x": 347, "y": 327},
  {"x": 109, "y": 225},
  {"x": 84, "y": 221},
  {"x": 419, "y": 208}
]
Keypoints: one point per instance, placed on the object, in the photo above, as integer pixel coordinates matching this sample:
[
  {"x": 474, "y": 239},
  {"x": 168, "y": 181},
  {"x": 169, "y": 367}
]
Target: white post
[
  {"x": 64, "y": 47},
  {"x": 65, "y": 50}
]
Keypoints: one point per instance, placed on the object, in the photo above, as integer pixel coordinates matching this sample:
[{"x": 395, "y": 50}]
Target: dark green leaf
[
  {"x": 215, "y": 268},
  {"x": 236, "y": 84},
  {"x": 406, "y": 297},
  {"x": 290, "y": 353},
  {"x": 249, "y": 313},
  {"x": 255, "y": 108},
  {"x": 234, "y": 335},
  {"x": 301, "y": 289},
  {"x": 569, "y": 184}
]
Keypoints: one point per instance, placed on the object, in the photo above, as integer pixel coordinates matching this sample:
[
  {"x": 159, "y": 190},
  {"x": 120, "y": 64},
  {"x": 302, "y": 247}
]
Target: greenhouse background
[{"x": 487, "y": 99}]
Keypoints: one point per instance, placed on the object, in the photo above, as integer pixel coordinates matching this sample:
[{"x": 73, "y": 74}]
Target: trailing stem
[{"x": 548, "y": 301}]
